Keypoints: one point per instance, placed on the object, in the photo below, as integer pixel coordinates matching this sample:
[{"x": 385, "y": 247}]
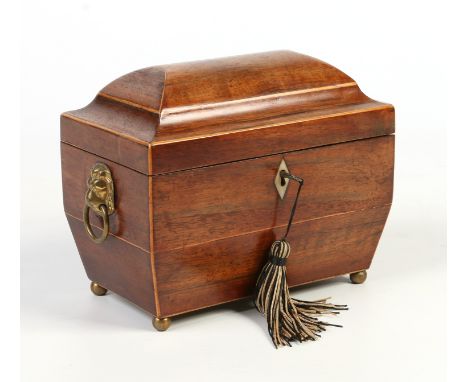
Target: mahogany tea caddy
[{"x": 171, "y": 187}]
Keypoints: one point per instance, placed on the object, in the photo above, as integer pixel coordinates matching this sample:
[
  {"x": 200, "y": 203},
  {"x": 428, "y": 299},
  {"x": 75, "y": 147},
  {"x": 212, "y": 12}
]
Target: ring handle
[
  {"x": 99, "y": 197},
  {"x": 105, "y": 224}
]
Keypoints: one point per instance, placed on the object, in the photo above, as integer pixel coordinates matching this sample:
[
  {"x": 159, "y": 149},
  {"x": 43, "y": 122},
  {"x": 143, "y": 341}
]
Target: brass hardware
[
  {"x": 281, "y": 183},
  {"x": 97, "y": 289},
  {"x": 358, "y": 277},
  {"x": 100, "y": 199},
  {"x": 161, "y": 324}
]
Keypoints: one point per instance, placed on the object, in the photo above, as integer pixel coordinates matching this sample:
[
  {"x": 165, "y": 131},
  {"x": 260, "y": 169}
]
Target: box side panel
[
  {"x": 214, "y": 226},
  {"x": 116, "y": 265},
  {"x": 130, "y": 221},
  {"x": 212, "y": 203},
  {"x": 212, "y": 273},
  {"x": 122, "y": 263}
]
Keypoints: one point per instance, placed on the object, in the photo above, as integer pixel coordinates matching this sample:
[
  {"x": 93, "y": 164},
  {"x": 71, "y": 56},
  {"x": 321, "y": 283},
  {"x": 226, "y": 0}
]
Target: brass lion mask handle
[{"x": 99, "y": 198}]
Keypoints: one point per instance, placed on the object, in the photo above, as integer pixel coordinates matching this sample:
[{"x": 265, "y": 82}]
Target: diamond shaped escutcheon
[{"x": 281, "y": 184}]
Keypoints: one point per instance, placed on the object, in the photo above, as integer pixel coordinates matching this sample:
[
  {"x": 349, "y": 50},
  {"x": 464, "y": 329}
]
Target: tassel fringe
[{"x": 289, "y": 319}]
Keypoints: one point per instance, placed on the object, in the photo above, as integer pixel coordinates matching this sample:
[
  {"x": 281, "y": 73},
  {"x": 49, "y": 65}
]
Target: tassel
[{"x": 288, "y": 319}]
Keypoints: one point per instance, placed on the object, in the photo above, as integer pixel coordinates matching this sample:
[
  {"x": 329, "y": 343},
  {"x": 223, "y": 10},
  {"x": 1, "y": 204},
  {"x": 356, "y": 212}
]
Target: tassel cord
[
  {"x": 288, "y": 319},
  {"x": 286, "y": 175}
]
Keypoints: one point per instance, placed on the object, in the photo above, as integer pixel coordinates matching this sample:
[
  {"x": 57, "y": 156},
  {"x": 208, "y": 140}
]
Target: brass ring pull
[
  {"x": 99, "y": 198},
  {"x": 105, "y": 224}
]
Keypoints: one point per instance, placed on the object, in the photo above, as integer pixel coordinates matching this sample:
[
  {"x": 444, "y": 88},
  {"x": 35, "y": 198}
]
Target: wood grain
[
  {"x": 226, "y": 269},
  {"x": 166, "y": 89},
  {"x": 210, "y": 203},
  {"x": 283, "y": 135},
  {"x": 116, "y": 265},
  {"x": 142, "y": 88},
  {"x": 223, "y": 110},
  {"x": 105, "y": 142},
  {"x": 130, "y": 222}
]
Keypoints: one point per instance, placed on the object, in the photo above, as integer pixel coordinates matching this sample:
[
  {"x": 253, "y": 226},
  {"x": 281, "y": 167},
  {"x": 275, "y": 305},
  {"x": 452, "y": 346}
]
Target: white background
[{"x": 395, "y": 329}]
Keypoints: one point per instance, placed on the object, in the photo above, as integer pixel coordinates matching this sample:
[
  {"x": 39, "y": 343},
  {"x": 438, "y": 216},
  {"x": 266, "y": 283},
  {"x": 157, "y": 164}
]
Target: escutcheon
[{"x": 281, "y": 183}]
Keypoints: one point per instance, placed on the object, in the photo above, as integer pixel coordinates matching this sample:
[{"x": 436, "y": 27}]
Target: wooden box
[{"x": 193, "y": 150}]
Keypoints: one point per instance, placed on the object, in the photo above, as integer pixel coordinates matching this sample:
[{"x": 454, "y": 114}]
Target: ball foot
[
  {"x": 97, "y": 289},
  {"x": 358, "y": 277},
  {"x": 161, "y": 324}
]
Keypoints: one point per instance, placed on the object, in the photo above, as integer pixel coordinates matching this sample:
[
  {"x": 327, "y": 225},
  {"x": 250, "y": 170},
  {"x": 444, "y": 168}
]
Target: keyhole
[{"x": 283, "y": 179}]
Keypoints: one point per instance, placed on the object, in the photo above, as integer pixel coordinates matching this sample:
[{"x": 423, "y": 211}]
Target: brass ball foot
[
  {"x": 358, "y": 277},
  {"x": 97, "y": 289},
  {"x": 161, "y": 324}
]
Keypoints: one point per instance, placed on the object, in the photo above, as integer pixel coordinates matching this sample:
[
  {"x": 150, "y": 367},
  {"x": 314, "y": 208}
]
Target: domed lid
[{"x": 164, "y": 105}]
